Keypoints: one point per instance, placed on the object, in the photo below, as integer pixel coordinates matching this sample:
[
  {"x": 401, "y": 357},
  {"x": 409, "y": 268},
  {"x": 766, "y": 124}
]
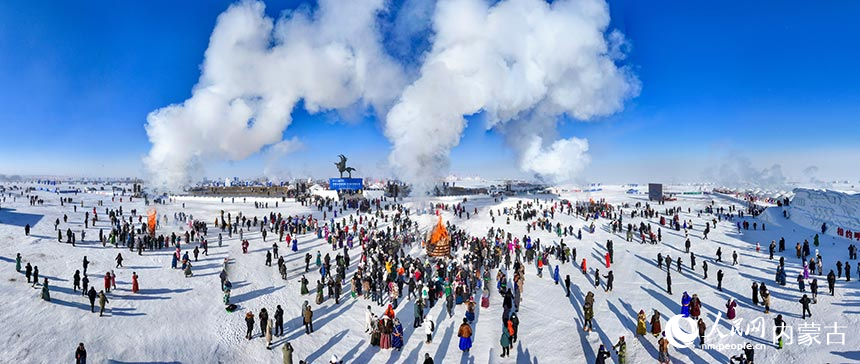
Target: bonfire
[{"x": 438, "y": 241}]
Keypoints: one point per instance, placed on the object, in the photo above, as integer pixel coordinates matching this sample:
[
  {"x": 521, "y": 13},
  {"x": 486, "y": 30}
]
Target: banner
[{"x": 338, "y": 184}]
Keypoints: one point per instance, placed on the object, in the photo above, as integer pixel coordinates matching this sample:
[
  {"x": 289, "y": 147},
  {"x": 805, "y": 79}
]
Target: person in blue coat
[
  {"x": 295, "y": 245},
  {"x": 685, "y": 305},
  {"x": 602, "y": 355},
  {"x": 465, "y": 334},
  {"x": 397, "y": 335},
  {"x": 555, "y": 274}
]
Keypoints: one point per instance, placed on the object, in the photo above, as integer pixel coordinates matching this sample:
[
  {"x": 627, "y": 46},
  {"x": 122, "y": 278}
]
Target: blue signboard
[{"x": 338, "y": 184}]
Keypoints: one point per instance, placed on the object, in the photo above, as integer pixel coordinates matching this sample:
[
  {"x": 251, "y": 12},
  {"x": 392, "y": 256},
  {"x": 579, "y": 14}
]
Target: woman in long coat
[
  {"x": 107, "y": 282},
  {"x": 505, "y": 341},
  {"x": 685, "y": 305},
  {"x": 656, "y": 329},
  {"x": 465, "y": 335},
  {"x": 695, "y": 306},
  {"x": 304, "y": 286},
  {"x": 269, "y": 334},
  {"x": 45, "y": 294},
  {"x": 730, "y": 307},
  {"x": 385, "y": 329},
  {"x": 640, "y": 323},
  {"x": 397, "y": 335},
  {"x": 134, "y": 285}
]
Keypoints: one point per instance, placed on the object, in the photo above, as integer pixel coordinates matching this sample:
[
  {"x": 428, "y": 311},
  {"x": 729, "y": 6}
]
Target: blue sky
[{"x": 774, "y": 81}]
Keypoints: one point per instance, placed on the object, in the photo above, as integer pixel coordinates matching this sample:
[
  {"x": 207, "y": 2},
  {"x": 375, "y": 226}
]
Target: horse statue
[{"x": 341, "y": 166}]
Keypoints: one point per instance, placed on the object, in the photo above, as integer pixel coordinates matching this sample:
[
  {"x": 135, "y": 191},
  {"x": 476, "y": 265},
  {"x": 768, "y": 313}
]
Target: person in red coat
[
  {"x": 134, "y": 285},
  {"x": 695, "y": 307},
  {"x": 583, "y": 266},
  {"x": 107, "y": 282},
  {"x": 607, "y": 260}
]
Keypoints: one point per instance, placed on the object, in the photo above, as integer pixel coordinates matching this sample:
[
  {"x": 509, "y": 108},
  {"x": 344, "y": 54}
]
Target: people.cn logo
[{"x": 678, "y": 336}]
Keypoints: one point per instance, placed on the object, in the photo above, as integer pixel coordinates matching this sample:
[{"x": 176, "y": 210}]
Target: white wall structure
[{"x": 811, "y": 208}]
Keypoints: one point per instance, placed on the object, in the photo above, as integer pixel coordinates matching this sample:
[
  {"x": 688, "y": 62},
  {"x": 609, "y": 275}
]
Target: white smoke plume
[
  {"x": 738, "y": 171},
  {"x": 274, "y": 156},
  {"x": 522, "y": 62},
  {"x": 255, "y": 71},
  {"x": 526, "y": 64}
]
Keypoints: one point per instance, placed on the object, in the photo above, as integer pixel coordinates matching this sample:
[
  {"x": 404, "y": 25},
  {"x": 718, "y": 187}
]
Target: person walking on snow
[
  {"x": 269, "y": 335},
  {"x": 308, "y": 317},
  {"x": 279, "y": 321},
  {"x": 81, "y": 354},
  {"x": 804, "y": 302},
  {"x": 731, "y": 308},
  {"x": 685, "y": 305},
  {"x": 288, "y": 353},
  {"x": 102, "y": 301},
  {"x": 610, "y": 278},
  {"x": 465, "y": 335},
  {"x": 249, "y": 321},
  {"x": 621, "y": 349},
  {"x": 92, "y": 296},
  {"x": 76, "y": 281},
  {"x": 656, "y": 328},
  {"x": 429, "y": 327},
  {"x": 640, "y": 323},
  {"x": 45, "y": 294},
  {"x": 135, "y": 287},
  {"x": 602, "y": 355}
]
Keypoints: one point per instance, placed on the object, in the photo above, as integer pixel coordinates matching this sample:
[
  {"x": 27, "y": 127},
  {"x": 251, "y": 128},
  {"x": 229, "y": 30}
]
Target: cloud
[
  {"x": 526, "y": 65},
  {"x": 255, "y": 71},
  {"x": 524, "y": 62}
]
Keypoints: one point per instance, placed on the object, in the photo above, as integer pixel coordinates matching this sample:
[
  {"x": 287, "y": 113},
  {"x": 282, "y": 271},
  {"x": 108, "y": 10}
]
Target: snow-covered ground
[{"x": 177, "y": 319}]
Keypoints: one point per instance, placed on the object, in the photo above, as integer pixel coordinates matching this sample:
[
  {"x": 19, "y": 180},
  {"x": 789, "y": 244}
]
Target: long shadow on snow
[
  {"x": 652, "y": 350},
  {"x": 444, "y": 343},
  {"x": 524, "y": 355},
  {"x": 125, "y": 311},
  {"x": 322, "y": 349},
  {"x": 150, "y": 291},
  {"x": 347, "y": 358},
  {"x": 69, "y": 304},
  {"x": 247, "y": 296},
  {"x": 576, "y": 294}
]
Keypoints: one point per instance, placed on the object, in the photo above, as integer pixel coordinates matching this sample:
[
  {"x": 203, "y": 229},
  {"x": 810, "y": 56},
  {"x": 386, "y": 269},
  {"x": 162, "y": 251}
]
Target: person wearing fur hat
[
  {"x": 640, "y": 323},
  {"x": 621, "y": 348},
  {"x": 602, "y": 354},
  {"x": 663, "y": 356},
  {"x": 465, "y": 335}
]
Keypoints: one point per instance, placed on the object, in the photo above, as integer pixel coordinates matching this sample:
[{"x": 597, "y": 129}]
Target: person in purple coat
[{"x": 730, "y": 306}]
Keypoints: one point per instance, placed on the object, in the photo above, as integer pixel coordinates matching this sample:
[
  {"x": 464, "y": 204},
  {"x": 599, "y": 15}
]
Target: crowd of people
[{"x": 388, "y": 273}]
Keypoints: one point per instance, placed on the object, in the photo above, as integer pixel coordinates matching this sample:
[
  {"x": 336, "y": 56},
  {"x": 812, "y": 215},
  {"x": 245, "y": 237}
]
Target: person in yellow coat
[{"x": 640, "y": 324}]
